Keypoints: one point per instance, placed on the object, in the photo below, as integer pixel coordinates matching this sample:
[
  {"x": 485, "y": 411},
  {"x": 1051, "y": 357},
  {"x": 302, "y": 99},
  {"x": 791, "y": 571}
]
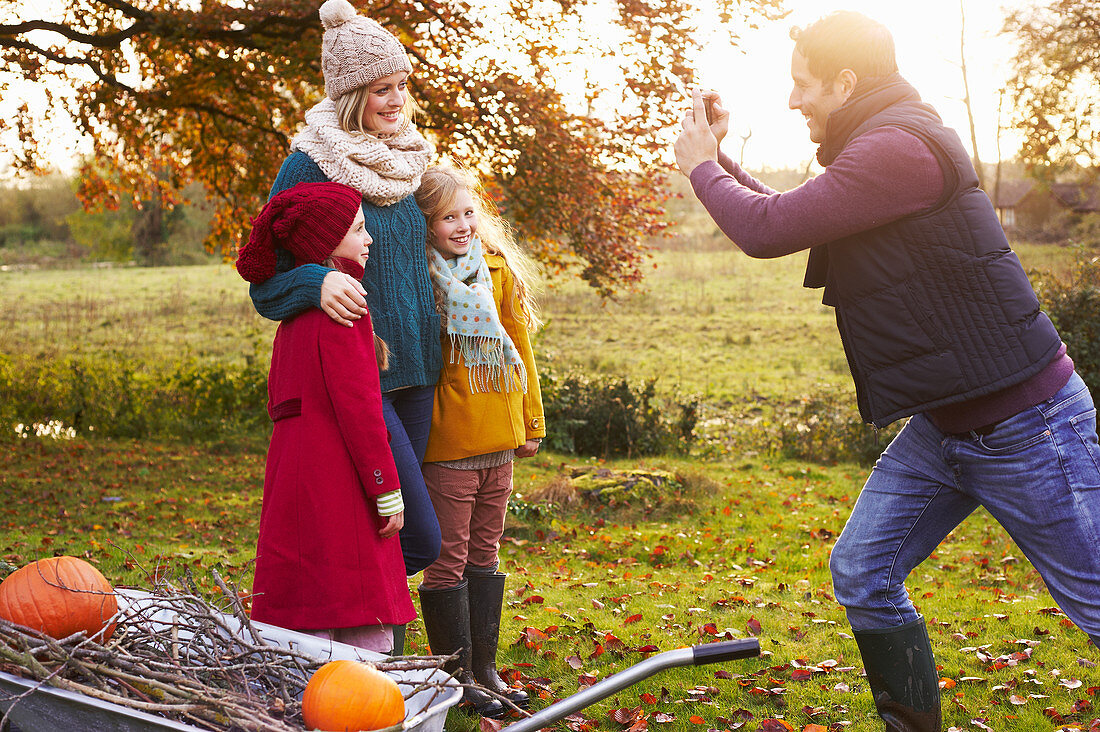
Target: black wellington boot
[
  {"x": 902, "y": 675},
  {"x": 398, "y": 641},
  {"x": 446, "y": 615},
  {"x": 486, "y": 602}
]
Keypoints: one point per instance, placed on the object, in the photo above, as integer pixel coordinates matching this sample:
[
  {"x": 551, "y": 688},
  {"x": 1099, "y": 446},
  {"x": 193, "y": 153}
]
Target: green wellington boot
[
  {"x": 486, "y": 601},
  {"x": 446, "y": 616},
  {"x": 902, "y": 675}
]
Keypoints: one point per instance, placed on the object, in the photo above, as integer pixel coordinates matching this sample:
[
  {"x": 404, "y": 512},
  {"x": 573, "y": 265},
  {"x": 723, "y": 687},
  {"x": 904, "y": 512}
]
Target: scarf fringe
[
  {"x": 484, "y": 344},
  {"x": 488, "y": 371}
]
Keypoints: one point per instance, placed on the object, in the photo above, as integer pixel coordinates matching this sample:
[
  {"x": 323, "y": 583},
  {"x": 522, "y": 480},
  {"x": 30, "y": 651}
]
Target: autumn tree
[
  {"x": 1056, "y": 85},
  {"x": 562, "y": 105},
  {"x": 978, "y": 167}
]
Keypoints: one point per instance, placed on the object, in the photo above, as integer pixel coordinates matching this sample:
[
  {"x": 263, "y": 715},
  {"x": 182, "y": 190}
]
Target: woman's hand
[
  {"x": 393, "y": 525},
  {"x": 343, "y": 298},
  {"x": 529, "y": 448}
]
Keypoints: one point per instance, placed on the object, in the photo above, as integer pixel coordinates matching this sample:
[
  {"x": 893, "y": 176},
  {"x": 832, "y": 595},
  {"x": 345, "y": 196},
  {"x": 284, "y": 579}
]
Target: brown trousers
[{"x": 470, "y": 506}]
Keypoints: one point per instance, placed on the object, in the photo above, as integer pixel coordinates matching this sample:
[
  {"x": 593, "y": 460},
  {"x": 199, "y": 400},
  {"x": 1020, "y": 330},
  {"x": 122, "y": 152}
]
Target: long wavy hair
[{"x": 438, "y": 191}]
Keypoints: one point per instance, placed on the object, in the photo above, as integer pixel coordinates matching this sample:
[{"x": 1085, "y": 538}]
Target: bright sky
[
  {"x": 754, "y": 81},
  {"x": 755, "y": 84}
]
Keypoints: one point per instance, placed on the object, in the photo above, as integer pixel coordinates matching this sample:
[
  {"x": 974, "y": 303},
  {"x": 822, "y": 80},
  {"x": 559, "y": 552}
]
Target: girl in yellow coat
[{"x": 488, "y": 411}]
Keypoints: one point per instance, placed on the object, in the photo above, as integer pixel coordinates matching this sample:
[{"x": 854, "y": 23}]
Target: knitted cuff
[
  {"x": 390, "y": 504},
  {"x": 312, "y": 280},
  {"x": 289, "y": 293}
]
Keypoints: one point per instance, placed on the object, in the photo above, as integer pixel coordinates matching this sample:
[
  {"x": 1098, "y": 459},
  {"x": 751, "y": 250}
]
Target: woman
[{"x": 361, "y": 135}]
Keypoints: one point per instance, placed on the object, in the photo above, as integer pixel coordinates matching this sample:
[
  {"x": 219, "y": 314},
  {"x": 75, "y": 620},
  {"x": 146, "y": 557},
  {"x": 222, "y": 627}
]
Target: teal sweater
[{"x": 399, "y": 290}]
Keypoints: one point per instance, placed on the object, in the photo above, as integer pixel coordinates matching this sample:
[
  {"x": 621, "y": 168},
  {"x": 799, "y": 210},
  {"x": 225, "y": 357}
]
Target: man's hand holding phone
[
  {"x": 708, "y": 106},
  {"x": 712, "y": 106},
  {"x": 718, "y": 117},
  {"x": 699, "y": 140}
]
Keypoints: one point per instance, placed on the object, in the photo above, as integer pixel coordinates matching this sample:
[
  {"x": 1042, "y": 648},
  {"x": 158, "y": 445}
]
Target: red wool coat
[{"x": 319, "y": 560}]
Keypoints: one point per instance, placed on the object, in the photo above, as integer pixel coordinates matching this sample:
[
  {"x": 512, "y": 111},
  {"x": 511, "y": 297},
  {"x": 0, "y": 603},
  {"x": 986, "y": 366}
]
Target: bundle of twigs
[{"x": 177, "y": 655}]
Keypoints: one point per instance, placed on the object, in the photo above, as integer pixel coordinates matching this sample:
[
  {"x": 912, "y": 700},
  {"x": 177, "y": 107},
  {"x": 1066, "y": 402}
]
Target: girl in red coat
[{"x": 328, "y": 559}]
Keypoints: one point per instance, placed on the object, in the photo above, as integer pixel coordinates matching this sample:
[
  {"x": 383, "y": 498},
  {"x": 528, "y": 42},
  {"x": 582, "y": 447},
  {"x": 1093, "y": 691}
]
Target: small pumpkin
[
  {"x": 60, "y": 596},
  {"x": 351, "y": 696}
]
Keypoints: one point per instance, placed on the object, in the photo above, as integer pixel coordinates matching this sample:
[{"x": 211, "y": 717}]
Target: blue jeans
[
  {"x": 408, "y": 415},
  {"x": 1038, "y": 475}
]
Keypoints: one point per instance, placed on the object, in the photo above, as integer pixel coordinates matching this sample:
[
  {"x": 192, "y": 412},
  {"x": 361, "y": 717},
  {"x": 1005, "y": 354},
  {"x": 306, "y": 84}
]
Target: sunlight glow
[
  {"x": 754, "y": 81},
  {"x": 753, "y": 78}
]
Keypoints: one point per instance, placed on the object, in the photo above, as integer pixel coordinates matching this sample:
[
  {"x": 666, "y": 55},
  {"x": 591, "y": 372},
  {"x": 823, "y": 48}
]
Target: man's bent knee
[{"x": 851, "y": 580}]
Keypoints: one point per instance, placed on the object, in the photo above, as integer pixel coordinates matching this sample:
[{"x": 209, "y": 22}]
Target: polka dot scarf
[{"x": 474, "y": 325}]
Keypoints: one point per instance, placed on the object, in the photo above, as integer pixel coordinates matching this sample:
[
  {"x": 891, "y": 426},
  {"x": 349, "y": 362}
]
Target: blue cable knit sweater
[{"x": 399, "y": 290}]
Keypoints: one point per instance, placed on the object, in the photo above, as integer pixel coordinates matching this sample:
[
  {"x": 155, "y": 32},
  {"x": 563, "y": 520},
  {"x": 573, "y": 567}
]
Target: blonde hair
[
  {"x": 438, "y": 191},
  {"x": 352, "y": 105}
]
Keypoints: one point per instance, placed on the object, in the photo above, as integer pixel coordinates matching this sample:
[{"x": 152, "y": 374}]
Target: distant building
[{"x": 1029, "y": 204}]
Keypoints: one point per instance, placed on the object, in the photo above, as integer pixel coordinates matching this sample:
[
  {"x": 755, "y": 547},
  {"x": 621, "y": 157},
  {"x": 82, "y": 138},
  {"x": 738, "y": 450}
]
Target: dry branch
[{"x": 179, "y": 656}]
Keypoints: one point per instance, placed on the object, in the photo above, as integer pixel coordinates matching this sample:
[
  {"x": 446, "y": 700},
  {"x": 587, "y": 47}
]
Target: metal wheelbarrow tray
[
  {"x": 56, "y": 710},
  {"x": 48, "y": 709}
]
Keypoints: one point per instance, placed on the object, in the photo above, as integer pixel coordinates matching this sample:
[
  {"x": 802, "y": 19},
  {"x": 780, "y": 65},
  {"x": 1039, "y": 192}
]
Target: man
[{"x": 940, "y": 324}]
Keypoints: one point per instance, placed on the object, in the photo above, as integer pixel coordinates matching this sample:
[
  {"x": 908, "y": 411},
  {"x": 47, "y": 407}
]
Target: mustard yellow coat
[{"x": 465, "y": 423}]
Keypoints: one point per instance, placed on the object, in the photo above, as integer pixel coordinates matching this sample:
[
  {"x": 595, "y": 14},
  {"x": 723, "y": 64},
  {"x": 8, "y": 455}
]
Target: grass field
[
  {"x": 740, "y": 548},
  {"x": 743, "y": 549},
  {"x": 700, "y": 323},
  {"x": 714, "y": 323}
]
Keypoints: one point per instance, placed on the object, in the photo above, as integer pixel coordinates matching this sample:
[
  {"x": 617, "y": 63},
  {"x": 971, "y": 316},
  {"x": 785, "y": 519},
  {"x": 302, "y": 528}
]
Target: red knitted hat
[{"x": 308, "y": 220}]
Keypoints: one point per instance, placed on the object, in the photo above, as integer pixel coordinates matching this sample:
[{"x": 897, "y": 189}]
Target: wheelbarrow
[{"x": 47, "y": 709}]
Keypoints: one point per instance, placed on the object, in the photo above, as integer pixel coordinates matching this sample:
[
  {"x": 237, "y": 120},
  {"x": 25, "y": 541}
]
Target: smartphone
[{"x": 708, "y": 98}]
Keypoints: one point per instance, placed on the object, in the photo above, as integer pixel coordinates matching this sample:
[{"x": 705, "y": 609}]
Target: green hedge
[
  {"x": 610, "y": 417},
  {"x": 823, "y": 426},
  {"x": 592, "y": 417},
  {"x": 116, "y": 397},
  {"x": 1074, "y": 306}
]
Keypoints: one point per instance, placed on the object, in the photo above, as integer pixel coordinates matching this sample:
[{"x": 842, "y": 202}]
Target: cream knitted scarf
[
  {"x": 474, "y": 325},
  {"x": 383, "y": 170}
]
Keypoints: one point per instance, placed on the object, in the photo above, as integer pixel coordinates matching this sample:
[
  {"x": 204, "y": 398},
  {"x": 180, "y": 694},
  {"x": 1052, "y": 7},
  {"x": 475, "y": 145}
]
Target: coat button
[
  {"x": 379, "y": 481},
  {"x": 377, "y": 472},
  {"x": 535, "y": 423}
]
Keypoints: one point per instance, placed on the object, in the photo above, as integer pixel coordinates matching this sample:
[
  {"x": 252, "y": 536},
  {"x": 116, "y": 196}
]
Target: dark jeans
[
  {"x": 408, "y": 415},
  {"x": 1038, "y": 475}
]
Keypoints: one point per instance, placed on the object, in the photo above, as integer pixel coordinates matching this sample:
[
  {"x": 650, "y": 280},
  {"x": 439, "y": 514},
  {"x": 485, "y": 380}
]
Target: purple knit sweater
[{"x": 879, "y": 177}]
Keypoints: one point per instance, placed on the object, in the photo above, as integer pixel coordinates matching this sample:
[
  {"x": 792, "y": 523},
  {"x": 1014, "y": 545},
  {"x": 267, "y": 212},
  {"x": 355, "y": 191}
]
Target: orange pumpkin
[
  {"x": 60, "y": 596},
  {"x": 351, "y": 696}
]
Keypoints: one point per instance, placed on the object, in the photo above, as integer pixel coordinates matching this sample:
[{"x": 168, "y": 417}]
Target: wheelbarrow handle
[
  {"x": 731, "y": 650},
  {"x": 694, "y": 656}
]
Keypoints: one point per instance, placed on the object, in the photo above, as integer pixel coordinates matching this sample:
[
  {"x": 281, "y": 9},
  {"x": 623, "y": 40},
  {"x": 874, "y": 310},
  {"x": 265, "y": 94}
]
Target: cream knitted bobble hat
[{"x": 356, "y": 50}]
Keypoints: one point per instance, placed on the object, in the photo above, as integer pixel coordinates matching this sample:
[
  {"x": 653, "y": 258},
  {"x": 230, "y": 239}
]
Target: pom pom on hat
[
  {"x": 309, "y": 220},
  {"x": 336, "y": 12},
  {"x": 355, "y": 50}
]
